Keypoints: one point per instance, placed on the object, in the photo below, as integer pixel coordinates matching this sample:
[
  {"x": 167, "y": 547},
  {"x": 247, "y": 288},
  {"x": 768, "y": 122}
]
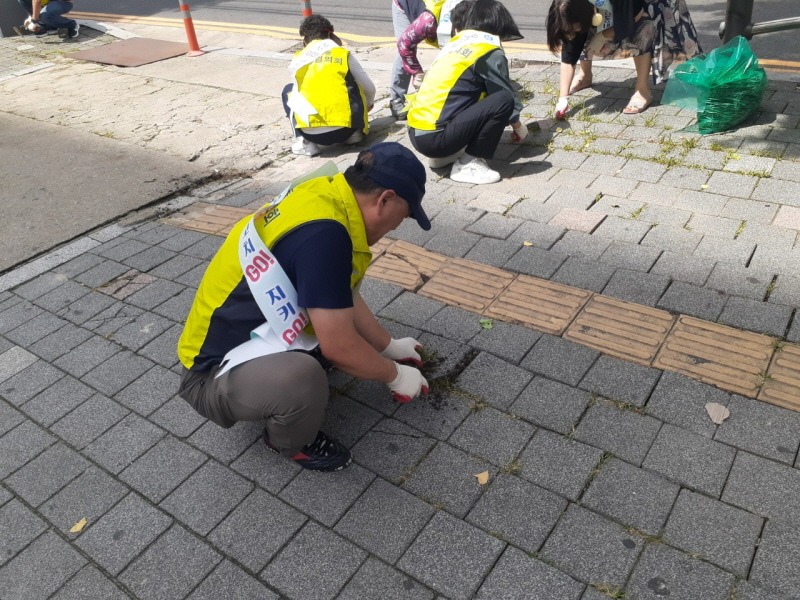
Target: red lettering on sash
[
  {"x": 259, "y": 264},
  {"x": 296, "y": 328}
]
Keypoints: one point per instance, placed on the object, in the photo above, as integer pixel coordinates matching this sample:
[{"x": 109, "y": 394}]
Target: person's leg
[
  {"x": 485, "y": 121},
  {"x": 288, "y": 390},
  {"x": 400, "y": 79},
  {"x": 584, "y": 78},
  {"x": 643, "y": 64},
  {"x": 478, "y": 128},
  {"x": 52, "y": 15},
  {"x": 642, "y": 97}
]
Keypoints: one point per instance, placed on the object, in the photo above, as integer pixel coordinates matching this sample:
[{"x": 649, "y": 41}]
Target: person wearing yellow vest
[
  {"x": 319, "y": 235},
  {"x": 331, "y": 94},
  {"x": 466, "y": 100},
  {"x": 434, "y": 26},
  {"x": 46, "y": 18}
]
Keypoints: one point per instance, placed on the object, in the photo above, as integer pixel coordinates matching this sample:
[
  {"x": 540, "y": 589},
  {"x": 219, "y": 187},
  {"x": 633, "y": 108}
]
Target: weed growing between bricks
[{"x": 441, "y": 387}]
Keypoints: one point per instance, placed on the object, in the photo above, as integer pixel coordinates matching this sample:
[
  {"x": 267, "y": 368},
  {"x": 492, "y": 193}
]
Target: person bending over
[
  {"x": 279, "y": 303},
  {"x": 655, "y": 33},
  {"x": 467, "y": 99},
  {"x": 331, "y": 95},
  {"x": 47, "y": 17}
]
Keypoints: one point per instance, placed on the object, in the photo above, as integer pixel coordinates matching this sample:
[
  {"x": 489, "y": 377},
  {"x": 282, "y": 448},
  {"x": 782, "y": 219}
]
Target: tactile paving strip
[
  {"x": 546, "y": 306},
  {"x": 379, "y": 248},
  {"x": 427, "y": 263},
  {"x": 467, "y": 284},
  {"x": 782, "y": 385},
  {"x": 731, "y": 359},
  {"x": 622, "y": 329},
  {"x": 208, "y": 218},
  {"x": 395, "y": 270}
]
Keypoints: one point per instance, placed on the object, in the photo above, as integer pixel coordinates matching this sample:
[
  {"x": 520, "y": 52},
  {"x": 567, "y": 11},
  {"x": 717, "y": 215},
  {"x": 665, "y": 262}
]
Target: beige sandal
[
  {"x": 580, "y": 84},
  {"x": 637, "y": 104}
]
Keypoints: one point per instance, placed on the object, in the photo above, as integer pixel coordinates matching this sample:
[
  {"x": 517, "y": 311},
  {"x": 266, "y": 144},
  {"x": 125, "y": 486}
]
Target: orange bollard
[
  {"x": 306, "y": 8},
  {"x": 194, "y": 47}
]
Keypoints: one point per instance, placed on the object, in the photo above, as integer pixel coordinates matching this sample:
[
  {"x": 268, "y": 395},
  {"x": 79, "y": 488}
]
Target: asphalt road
[{"x": 374, "y": 18}]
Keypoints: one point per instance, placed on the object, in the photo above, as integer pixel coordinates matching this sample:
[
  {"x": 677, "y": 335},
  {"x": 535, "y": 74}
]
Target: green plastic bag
[{"x": 725, "y": 86}]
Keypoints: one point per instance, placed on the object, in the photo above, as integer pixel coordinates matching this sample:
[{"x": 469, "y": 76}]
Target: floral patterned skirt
[{"x": 666, "y": 30}]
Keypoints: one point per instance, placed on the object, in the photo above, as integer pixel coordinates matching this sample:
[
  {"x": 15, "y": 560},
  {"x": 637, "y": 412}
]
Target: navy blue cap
[{"x": 396, "y": 168}]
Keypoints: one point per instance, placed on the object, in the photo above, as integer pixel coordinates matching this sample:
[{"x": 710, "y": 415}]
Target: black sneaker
[
  {"x": 323, "y": 454},
  {"x": 398, "y": 109},
  {"x": 67, "y": 33}
]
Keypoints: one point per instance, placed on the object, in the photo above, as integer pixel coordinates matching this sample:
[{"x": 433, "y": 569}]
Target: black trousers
[
  {"x": 478, "y": 127},
  {"x": 336, "y": 136}
]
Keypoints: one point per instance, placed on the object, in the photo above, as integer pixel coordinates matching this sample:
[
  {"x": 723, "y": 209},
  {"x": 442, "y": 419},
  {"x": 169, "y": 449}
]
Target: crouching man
[{"x": 279, "y": 303}]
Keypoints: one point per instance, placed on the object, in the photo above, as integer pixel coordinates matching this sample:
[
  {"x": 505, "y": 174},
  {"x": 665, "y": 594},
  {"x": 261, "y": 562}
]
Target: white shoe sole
[{"x": 461, "y": 179}]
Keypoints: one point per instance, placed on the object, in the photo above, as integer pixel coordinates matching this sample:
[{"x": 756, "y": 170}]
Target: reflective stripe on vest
[{"x": 456, "y": 57}]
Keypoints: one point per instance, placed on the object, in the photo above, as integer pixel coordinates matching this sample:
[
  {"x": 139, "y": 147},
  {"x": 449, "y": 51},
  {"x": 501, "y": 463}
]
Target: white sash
[
  {"x": 273, "y": 292},
  {"x": 444, "y": 30}
]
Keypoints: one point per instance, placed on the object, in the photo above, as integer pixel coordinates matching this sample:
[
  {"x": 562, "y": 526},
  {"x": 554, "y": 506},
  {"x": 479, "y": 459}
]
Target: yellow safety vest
[
  {"x": 434, "y": 7},
  {"x": 320, "y": 199},
  {"x": 458, "y": 55},
  {"x": 322, "y": 83}
]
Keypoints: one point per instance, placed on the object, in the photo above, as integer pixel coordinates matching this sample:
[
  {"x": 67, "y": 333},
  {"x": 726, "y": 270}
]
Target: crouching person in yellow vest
[
  {"x": 279, "y": 304},
  {"x": 331, "y": 96},
  {"x": 466, "y": 99}
]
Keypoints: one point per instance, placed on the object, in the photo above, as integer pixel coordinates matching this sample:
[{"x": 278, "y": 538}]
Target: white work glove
[
  {"x": 32, "y": 25},
  {"x": 408, "y": 384},
  {"x": 562, "y": 107},
  {"x": 416, "y": 80},
  {"x": 404, "y": 350},
  {"x": 519, "y": 133}
]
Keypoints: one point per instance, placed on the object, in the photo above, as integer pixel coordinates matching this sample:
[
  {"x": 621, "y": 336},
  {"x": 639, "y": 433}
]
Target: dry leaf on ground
[
  {"x": 78, "y": 527},
  {"x": 717, "y": 412}
]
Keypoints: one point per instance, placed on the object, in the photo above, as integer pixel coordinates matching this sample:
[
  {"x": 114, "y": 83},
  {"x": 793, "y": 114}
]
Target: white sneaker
[
  {"x": 303, "y": 147},
  {"x": 470, "y": 169},
  {"x": 438, "y": 163},
  {"x": 358, "y": 136}
]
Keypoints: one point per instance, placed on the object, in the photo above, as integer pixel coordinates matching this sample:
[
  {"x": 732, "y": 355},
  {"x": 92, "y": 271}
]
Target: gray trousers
[
  {"x": 400, "y": 79},
  {"x": 288, "y": 390}
]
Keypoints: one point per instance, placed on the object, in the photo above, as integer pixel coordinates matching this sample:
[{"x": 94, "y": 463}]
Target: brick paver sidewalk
[{"x": 606, "y": 477}]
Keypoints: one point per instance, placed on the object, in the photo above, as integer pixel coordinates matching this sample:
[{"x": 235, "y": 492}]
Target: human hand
[
  {"x": 408, "y": 384},
  {"x": 32, "y": 26},
  {"x": 519, "y": 133},
  {"x": 416, "y": 80},
  {"x": 562, "y": 107},
  {"x": 405, "y": 350}
]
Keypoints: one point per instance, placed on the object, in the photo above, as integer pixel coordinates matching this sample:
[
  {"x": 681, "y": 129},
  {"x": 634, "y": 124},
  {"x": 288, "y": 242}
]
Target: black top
[{"x": 623, "y": 12}]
